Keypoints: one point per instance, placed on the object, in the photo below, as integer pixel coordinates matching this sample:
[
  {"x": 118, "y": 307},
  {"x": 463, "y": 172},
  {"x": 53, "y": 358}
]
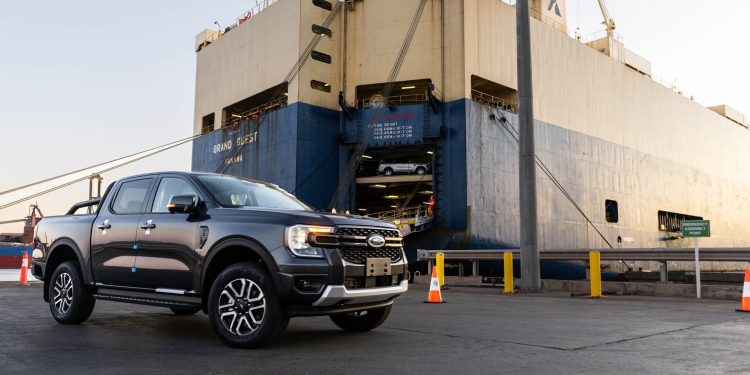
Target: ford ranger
[{"x": 246, "y": 253}]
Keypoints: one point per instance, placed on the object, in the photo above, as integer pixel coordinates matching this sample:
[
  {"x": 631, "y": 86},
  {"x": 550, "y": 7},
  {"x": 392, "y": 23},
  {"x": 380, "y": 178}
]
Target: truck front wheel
[
  {"x": 361, "y": 321},
  {"x": 243, "y": 308},
  {"x": 70, "y": 301}
]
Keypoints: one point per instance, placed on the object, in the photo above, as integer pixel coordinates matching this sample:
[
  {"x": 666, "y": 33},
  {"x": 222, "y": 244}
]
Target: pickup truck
[
  {"x": 247, "y": 253},
  {"x": 391, "y": 167}
]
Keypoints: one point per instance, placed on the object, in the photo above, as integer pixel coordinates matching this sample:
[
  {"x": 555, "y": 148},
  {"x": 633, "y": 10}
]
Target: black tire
[
  {"x": 361, "y": 321},
  {"x": 185, "y": 310},
  {"x": 388, "y": 171},
  {"x": 421, "y": 170},
  {"x": 70, "y": 301},
  {"x": 272, "y": 320}
]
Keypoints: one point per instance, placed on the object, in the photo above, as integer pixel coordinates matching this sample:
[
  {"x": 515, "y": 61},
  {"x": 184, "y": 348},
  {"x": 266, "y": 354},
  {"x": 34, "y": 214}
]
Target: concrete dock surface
[
  {"x": 13, "y": 275},
  {"x": 478, "y": 331}
]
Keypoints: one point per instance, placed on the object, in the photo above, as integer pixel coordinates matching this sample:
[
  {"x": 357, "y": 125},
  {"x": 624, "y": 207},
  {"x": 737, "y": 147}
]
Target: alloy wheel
[
  {"x": 242, "y": 307},
  {"x": 63, "y": 297}
]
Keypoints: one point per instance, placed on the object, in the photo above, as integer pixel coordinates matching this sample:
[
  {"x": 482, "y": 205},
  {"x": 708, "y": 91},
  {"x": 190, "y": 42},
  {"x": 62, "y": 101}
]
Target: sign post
[{"x": 696, "y": 229}]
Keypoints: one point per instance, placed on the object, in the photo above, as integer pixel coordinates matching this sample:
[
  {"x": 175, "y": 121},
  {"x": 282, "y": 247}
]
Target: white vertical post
[{"x": 697, "y": 269}]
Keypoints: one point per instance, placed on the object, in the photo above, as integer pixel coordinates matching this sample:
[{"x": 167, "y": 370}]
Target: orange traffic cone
[
  {"x": 434, "y": 296},
  {"x": 745, "y": 301},
  {"x": 24, "y": 269}
]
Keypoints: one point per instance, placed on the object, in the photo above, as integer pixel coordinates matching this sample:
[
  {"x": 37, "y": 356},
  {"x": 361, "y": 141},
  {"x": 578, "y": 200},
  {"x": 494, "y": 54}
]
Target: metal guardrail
[
  {"x": 715, "y": 254},
  {"x": 661, "y": 255}
]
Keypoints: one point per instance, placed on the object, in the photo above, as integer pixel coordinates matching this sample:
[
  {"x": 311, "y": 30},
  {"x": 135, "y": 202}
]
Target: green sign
[{"x": 696, "y": 228}]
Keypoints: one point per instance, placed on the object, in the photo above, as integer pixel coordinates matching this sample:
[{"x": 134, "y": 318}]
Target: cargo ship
[
  {"x": 13, "y": 245},
  {"x": 11, "y": 254},
  {"x": 296, "y": 89}
]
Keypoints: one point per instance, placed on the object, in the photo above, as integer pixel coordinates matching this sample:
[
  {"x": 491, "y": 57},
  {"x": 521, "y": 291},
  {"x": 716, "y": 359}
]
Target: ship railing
[
  {"x": 672, "y": 85},
  {"x": 395, "y": 100},
  {"x": 601, "y": 34},
  {"x": 259, "y": 7},
  {"x": 253, "y": 113},
  {"x": 409, "y": 220},
  {"x": 400, "y": 214},
  {"x": 495, "y": 101}
]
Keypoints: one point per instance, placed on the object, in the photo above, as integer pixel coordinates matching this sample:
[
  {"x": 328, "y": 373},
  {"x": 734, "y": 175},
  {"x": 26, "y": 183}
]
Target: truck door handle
[
  {"x": 148, "y": 225},
  {"x": 104, "y": 225}
]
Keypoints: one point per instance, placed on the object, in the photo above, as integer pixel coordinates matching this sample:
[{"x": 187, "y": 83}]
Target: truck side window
[
  {"x": 168, "y": 188},
  {"x": 130, "y": 197}
]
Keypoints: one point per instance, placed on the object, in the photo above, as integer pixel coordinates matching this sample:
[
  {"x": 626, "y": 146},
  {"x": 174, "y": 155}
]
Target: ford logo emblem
[{"x": 376, "y": 240}]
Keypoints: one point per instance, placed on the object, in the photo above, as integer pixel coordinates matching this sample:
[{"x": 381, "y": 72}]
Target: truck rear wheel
[
  {"x": 69, "y": 300},
  {"x": 361, "y": 321},
  {"x": 243, "y": 308}
]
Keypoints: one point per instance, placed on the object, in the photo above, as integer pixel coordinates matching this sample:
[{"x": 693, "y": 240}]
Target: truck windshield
[{"x": 234, "y": 192}]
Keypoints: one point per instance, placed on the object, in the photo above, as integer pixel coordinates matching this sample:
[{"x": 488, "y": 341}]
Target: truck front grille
[
  {"x": 366, "y": 231},
  {"x": 359, "y": 255},
  {"x": 352, "y": 243}
]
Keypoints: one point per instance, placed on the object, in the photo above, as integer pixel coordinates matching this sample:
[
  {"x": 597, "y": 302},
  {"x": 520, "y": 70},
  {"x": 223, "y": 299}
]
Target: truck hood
[{"x": 317, "y": 218}]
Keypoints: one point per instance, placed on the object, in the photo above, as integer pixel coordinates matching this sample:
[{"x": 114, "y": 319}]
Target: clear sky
[{"x": 88, "y": 81}]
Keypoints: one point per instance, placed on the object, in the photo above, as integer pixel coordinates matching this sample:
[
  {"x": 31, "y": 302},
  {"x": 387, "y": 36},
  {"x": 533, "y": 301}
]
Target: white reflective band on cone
[{"x": 746, "y": 290}]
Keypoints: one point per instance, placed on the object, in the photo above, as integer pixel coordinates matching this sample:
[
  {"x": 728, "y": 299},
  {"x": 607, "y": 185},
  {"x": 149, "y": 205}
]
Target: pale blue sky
[{"x": 88, "y": 81}]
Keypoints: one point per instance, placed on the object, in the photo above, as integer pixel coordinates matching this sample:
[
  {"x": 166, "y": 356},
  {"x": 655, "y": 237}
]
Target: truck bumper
[
  {"x": 335, "y": 285},
  {"x": 37, "y": 269},
  {"x": 339, "y": 294}
]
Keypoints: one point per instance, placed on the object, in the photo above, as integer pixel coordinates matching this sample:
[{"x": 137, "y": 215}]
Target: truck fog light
[{"x": 309, "y": 285}]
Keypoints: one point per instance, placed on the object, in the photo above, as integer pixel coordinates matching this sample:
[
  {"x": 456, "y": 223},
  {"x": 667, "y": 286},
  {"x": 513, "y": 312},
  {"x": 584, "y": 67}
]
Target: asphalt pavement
[{"x": 478, "y": 331}]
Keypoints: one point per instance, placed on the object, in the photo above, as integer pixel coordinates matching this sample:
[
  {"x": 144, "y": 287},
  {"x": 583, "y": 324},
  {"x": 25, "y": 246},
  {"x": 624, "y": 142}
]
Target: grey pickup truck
[{"x": 247, "y": 253}]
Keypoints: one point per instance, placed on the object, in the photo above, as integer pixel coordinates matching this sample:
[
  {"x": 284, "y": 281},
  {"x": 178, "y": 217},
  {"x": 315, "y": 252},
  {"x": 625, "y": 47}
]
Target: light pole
[{"x": 530, "y": 279}]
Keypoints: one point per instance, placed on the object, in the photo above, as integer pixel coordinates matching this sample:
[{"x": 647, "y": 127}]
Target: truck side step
[{"x": 152, "y": 299}]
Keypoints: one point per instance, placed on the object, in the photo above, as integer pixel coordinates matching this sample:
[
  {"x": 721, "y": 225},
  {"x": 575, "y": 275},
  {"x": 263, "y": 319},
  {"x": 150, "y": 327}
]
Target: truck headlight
[{"x": 297, "y": 240}]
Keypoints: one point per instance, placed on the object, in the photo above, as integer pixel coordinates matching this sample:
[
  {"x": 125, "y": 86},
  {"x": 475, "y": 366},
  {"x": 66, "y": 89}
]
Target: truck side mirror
[{"x": 183, "y": 204}]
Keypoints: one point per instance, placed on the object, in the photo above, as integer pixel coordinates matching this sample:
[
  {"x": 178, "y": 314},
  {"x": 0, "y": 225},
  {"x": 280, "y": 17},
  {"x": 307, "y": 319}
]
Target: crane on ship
[
  {"x": 608, "y": 21},
  {"x": 30, "y": 222}
]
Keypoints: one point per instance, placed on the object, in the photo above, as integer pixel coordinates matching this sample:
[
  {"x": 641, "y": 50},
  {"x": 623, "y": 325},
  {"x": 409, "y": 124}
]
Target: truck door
[
  {"x": 113, "y": 247},
  {"x": 167, "y": 242},
  {"x": 400, "y": 167}
]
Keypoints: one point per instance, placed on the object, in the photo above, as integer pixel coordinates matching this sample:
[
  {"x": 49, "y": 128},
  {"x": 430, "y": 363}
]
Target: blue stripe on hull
[{"x": 15, "y": 251}]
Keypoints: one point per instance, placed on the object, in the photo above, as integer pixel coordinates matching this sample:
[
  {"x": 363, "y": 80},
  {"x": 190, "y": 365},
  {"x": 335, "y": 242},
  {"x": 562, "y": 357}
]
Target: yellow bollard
[
  {"x": 508, "y": 277},
  {"x": 440, "y": 262},
  {"x": 596, "y": 274}
]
